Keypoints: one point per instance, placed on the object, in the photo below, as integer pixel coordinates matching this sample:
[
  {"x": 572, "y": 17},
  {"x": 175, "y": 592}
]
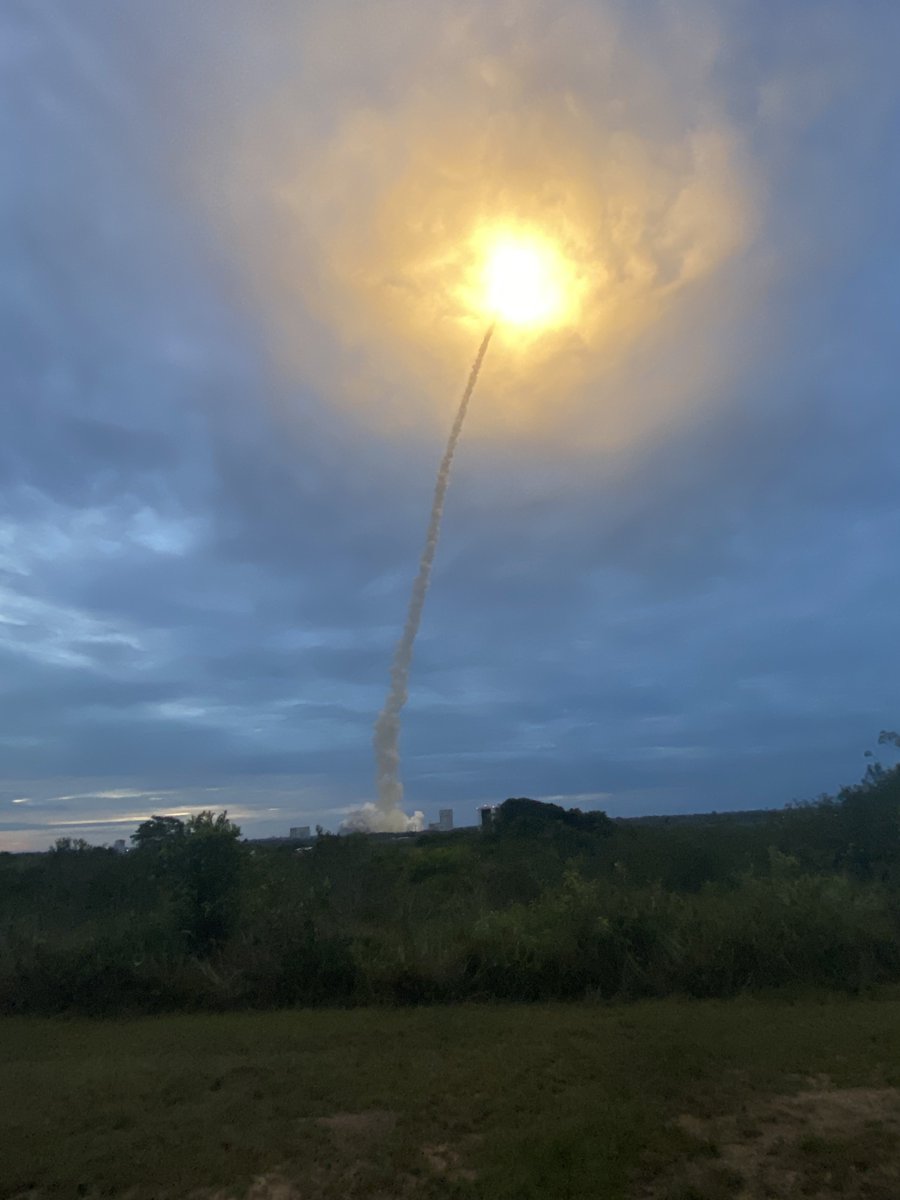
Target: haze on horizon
[{"x": 236, "y": 250}]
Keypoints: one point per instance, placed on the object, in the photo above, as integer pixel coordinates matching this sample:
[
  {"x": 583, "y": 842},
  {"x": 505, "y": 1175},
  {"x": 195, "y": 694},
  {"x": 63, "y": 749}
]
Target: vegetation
[
  {"x": 547, "y": 904},
  {"x": 661, "y": 1099}
]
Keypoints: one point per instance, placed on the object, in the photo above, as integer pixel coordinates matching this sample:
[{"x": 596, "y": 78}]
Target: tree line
[{"x": 547, "y": 903}]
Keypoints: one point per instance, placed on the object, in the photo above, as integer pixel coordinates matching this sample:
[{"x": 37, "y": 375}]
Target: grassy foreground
[{"x": 658, "y": 1099}]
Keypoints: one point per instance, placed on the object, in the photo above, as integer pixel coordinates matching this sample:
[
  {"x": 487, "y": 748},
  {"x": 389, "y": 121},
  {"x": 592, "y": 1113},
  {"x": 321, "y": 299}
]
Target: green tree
[
  {"x": 209, "y": 862},
  {"x": 519, "y": 815},
  {"x": 67, "y": 845},
  {"x": 158, "y": 833}
]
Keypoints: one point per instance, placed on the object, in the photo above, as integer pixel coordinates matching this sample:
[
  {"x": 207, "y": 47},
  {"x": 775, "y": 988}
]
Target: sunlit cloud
[
  {"x": 113, "y": 794},
  {"x": 610, "y": 140}
]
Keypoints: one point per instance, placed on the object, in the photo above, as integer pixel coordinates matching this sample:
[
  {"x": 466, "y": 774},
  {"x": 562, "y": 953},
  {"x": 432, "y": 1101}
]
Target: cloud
[{"x": 356, "y": 214}]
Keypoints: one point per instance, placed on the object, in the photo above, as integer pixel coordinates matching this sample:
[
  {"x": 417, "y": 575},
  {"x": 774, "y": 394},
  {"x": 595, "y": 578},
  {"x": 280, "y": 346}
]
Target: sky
[{"x": 235, "y": 320}]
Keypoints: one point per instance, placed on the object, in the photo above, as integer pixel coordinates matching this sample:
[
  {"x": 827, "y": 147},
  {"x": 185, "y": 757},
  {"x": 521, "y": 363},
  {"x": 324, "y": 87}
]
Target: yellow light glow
[{"x": 523, "y": 279}]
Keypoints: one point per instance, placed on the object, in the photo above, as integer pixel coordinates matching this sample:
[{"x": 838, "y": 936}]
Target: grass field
[{"x": 678, "y": 1100}]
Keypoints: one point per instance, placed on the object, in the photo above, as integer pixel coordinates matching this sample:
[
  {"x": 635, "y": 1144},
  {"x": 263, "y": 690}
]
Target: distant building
[
  {"x": 444, "y": 823},
  {"x": 487, "y": 814},
  {"x": 299, "y": 833},
  {"x": 119, "y": 845}
]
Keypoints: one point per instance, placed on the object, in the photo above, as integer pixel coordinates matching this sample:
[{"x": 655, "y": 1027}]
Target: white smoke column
[{"x": 387, "y": 727}]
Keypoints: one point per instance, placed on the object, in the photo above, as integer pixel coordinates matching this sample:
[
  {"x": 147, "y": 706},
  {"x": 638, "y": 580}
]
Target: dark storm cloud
[{"x": 203, "y": 566}]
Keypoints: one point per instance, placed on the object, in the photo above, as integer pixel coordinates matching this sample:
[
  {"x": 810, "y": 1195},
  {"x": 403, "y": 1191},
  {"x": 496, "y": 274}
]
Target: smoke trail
[{"x": 387, "y": 727}]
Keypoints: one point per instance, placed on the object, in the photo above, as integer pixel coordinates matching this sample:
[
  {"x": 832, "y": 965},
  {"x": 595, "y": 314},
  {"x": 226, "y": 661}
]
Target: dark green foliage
[
  {"x": 522, "y": 817},
  {"x": 296, "y": 963},
  {"x": 199, "y": 863},
  {"x": 207, "y": 869},
  {"x": 859, "y": 832},
  {"x": 549, "y": 904},
  {"x": 67, "y": 845},
  {"x": 159, "y": 833}
]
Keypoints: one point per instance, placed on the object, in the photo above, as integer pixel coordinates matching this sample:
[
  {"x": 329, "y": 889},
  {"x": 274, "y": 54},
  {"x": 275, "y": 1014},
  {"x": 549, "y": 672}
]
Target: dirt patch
[
  {"x": 272, "y": 1187},
  {"x": 444, "y": 1160},
  {"x": 822, "y": 1143},
  {"x": 373, "y": 1123},
  {"x": 264, "y": 1187},
  {"x": 353, "y": 1136}
]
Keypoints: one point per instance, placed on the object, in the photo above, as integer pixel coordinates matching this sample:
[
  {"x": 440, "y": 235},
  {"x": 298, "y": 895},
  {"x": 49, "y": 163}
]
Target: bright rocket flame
[{"x": 524, "y": 280}]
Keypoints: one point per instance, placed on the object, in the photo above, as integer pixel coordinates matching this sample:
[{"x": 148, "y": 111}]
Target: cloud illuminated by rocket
[{"x": 362, "y": 228}]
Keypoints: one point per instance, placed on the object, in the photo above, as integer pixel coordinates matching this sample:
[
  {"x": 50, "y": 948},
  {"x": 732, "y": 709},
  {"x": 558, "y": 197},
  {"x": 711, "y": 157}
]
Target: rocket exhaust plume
[{"x": 388, "y": 811}]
